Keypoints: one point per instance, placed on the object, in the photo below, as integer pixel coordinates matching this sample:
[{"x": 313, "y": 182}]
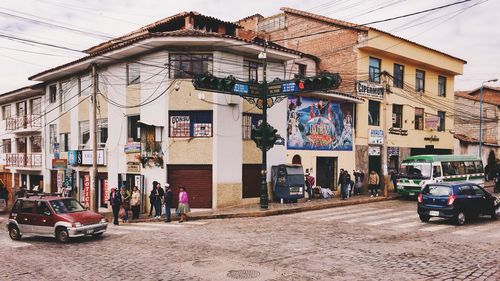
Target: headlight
[
  {"x": 77, "y": 224},
  {"x": 103, "y": 220}
]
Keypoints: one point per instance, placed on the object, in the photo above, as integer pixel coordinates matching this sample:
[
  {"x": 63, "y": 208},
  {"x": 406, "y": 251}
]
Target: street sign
[{"x": 289, "y": 87}]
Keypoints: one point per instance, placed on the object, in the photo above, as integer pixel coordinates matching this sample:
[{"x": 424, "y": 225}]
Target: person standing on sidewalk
[
  {"x": 135, "y": 202},
  {"x": 344, "y": 184},
  {"x": 160, "y": 193},
  {"x": 183, "y": 207},
  {"x": 152, "y": 201},
  {"x": 115, "y": 200},
  {"x": 373, "y": 182},
  {"x": 126, "y": 196},
  {"x": 358, "y": 181},
  {"x": 169, "y": 200}
]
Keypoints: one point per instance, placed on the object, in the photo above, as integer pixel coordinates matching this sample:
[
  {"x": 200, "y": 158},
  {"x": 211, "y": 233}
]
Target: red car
[{"x": 58, "y": 217}]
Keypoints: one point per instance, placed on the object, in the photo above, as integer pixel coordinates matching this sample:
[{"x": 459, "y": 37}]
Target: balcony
[
  {"x": 25, "y": 123},
  {"x": 23, "y": 160}
]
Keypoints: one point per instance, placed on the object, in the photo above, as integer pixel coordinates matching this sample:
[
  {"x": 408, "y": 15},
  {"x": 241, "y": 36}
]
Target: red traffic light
[{"x": 301, "y": 85}]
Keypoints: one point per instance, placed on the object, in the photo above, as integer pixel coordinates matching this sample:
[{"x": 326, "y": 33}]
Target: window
[
  {"x": 442, "y": 121},
  {"x": 399, "y": 74},
  {"x": 479, "y": 166},
  {"x": 133, "y": 74},
  {"x": 420, "y": 81},
  {"x": 36, "y": 106},
  {"x": 436, "y": 171},
  {"x": 22, "y": 146},
  {"x": 302, "y": 68},
  {"x": 84, "y": 86},
  {"x": 6, "y": 112},
  {"x": 53, "y": 93},
  {"x": 7, "y": 146},
  {"x": 466, "y": 190},
  {"x": 134, "y": 131},
  {"x": 441, "y": 86},
  {"x": 470, "y": 168},
  {"x": 373, "y": 113},
  {"x": 52, "y": 136},
  {"x": 374, "y": 70},
  {"x": 184, "y": 66},
  {"x": 63, "y": 94},
  {"x": 36, "y": 144},
  {"x": 27, "y": 206},
  {"x": 272, "y": 24},
  {"x": 84, "y": 134},
  {"x": 21, "y": 109},
  {"x": 151, "y": 138},
  {"x": 102, "y": 132},
  {"x": 250, "y": 121},
  {"x": 437, "y": 190},
  {"x": 478, "y": 191},
  {"x": 397, "y": 116},
  {"x": 190, "y": 124},
  {"x": 64, "y": 142},
  {"x": 419, "y": 118},
  {"x": 42, "y": 208},
  {"x": 252, "y": 68}
]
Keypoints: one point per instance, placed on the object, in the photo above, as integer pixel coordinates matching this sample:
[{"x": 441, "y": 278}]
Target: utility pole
[
  {"x": 384, "y": 153},
  {"x": 264, "y": 200},
  {"x": 93, "y": 137}
]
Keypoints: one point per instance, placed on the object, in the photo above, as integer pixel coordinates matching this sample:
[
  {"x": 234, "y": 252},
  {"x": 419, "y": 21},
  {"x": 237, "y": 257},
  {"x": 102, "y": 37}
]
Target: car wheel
[
  {"x": 97, "y": 235},
  {"x": 424, "y": 218},
  {"x": 62, "y": 235},
  {"x": 460, "y": 218},
  {"x": 496, "y": 213},
  {"x": 14, "y": 232}
]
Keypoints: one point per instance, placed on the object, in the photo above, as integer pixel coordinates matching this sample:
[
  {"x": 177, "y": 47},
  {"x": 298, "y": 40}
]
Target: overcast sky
[{"x": 469, "y": 31}]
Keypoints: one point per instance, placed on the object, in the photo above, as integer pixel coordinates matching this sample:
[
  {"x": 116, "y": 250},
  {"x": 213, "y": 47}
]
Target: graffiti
[{"x": 315, "y": 124}]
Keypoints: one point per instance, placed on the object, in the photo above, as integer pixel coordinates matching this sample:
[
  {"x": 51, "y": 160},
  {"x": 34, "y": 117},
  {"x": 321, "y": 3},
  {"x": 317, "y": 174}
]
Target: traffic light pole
[{"x": 264, "y": 200}]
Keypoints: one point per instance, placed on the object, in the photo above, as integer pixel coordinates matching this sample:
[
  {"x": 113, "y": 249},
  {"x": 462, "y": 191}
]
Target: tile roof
[{"x": 491, "y": 95}]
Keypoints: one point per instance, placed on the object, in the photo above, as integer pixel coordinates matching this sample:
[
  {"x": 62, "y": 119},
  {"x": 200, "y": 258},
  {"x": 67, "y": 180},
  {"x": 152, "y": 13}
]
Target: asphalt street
[{"x": 376, "y": 241}]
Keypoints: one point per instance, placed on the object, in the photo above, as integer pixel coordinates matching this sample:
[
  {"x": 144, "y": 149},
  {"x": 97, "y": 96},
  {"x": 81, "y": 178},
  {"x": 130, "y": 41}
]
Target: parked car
[
  {"x": 459, "y": 201},
  {"x": 59, "y": 217}
]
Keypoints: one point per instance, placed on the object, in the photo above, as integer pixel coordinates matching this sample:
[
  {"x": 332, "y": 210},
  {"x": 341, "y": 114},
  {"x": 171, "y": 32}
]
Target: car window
[
  {"x": 478, "y": 190},
  {"x": 17, "y": 206},
  {"x": 63, "y": 206},
  {"x": 27, "y": 206},
  {"x": 466, "y": 190},
  {"x": 41, "y": 208},
  {"x": 436, "y": 171},
  {"x": 437, "y": 190}
]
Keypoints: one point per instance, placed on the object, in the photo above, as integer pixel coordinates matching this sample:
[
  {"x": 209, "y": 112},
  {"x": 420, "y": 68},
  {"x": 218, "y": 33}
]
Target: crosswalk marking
[
  {"x": 436, "y": 227},
  {"x": 334, "y": 211},
  {"x": 408, "y": 225},
  {"x": 371, "y": 217},
  {"x": 392, "y": 220},
  {"x": 475, "y": 229},
  {"x": 353, "y": 215},
  {"x": 494, "y": 235}
]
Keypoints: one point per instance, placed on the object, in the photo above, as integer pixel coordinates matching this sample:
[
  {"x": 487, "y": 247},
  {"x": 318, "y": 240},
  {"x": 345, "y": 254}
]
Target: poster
[
  {"x": 315, "y": 124},
  {"x": 86, "y": 190}
]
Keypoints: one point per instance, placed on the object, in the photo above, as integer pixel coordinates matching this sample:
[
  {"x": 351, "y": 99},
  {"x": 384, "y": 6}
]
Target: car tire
[
  {"x": 14, "y": 232},
  {"x": 424, "y": 218},
  {"x": 97, "y": 235},
  {"x": 460, "y": 218},
  {"x": 62, "y": 235},
  {"x": 496, "y": 213}
]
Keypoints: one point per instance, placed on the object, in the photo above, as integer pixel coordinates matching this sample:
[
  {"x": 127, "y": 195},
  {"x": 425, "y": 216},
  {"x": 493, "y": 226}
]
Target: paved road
[{"x": 378, "y": 241}]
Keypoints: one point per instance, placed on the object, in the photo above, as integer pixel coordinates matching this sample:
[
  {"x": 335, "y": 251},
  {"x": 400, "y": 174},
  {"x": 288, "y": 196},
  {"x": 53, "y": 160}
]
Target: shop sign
[
  {"x": 393, "y": 151},
  {"x": 374, "y": 150},
  {"x": 87, "y": 157},
  {"x": 105, "y": 190},
  {"x": 133, "y": 167},
  {"x": 73, "y": 157},
  {"x": 432, "y": 122},
  {"x": 86, "y": 190},
  {"x": 132, "y": 147},
  {"x": 431, "y": 138},
  {"x": 398, "y": 131},
  {"x": 56, "y": 150},
  {"x": 60, "y": 179},
  {"x": 137, "y": 181},
  {"x": 59, "y": 164},
  {"x": 68, "y": 179},
  {"x": 375, "y": 136},
  {"x": 370, "y": 90}
]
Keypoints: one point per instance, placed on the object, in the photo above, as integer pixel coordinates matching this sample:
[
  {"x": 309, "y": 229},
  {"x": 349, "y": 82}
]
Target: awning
[
  {"x": 149, "y": 123},
  {"x": 336, "y": 96}
]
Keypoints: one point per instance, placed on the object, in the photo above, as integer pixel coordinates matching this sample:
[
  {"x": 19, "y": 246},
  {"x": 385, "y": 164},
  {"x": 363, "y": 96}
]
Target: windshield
[
  {"x": 64, "y": 206},
  {"x": 415, "y": 170}
]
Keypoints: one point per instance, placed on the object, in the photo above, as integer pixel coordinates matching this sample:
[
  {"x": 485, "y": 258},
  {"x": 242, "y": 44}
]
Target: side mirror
[{"x": 47, "y": 213}]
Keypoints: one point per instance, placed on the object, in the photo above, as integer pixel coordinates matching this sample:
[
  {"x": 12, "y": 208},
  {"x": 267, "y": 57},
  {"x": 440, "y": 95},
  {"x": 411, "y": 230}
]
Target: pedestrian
[
  {"x": 373, "y": 182},
  {"x": 160, "y": 193},
  {"x": 344, "y": 180},
  {"x": 21, "y": 192},
  {"x": 169, "y": 200},
  {"x": 183, "y": 207},
  {"x": 309, "y": 181},
  {"x": 126, "y": 196},
  {"x": 152, "y": 201},
  {"x": 359, "y": 177},
  {"x": 135, "y": 202},
  {"x": 4, "y": 192},
  {"x": 394, "y": 179},
  {"x": 115, "y": 200}
]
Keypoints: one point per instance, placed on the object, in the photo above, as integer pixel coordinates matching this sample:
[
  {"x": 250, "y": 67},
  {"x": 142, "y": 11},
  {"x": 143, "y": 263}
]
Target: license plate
[
  {"x": 90, "y": 231},
  {"x": 434, "y": 213},
  {"x": 412, "y": 193}
]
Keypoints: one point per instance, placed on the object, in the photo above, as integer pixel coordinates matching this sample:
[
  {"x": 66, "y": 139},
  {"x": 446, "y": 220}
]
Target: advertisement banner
[
  {"x": 315, "y": 124},
  {"x": 432, "y": 122},
  {"x": 105, "y": 191},
  {"x": 375, "y": 136},
  {"x": 86, "y": 191}
]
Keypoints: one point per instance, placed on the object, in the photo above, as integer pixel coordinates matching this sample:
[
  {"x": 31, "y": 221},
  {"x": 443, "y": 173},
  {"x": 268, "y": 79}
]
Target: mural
[{"x": 315, "y": 124}]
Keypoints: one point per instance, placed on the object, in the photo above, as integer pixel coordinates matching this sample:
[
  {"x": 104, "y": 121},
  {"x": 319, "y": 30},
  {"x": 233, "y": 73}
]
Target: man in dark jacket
[
  {"x": 169, "y": 201},
  {"x": 115, "y": 199}
]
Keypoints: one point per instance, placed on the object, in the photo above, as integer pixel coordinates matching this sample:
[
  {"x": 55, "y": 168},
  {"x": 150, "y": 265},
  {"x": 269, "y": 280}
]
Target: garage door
[
  {"x": 251, "y": 180},
  {"x": 198, "y": 182}
]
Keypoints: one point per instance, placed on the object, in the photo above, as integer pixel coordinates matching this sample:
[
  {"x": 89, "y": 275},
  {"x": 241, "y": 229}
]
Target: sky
[{"x": 469, "y": 30}]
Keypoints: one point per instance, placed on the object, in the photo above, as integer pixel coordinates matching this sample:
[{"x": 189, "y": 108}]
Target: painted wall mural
[{"x": 315, "y": 124}]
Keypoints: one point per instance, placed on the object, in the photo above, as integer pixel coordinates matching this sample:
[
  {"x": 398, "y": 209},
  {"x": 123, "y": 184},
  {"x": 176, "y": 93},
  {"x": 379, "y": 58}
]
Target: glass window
[
  {"x": 36, "y": 106},
  {"x": 21, "y": 108},
  {"x": 53, "y": 93},
  {"x": 479, "y": 166},
  {"x": 442, "y": 121},
  {"x": 397, "y": 116},
  {"x": 7, "y": 146},
  {"x": 64, "y": 91},
  {"x": 22, "y": 146},
  {"x": 374, "y": 70},
  {"x": 419, "y": 118},
  {"x": 84, "y": 134},
  {"x": 477, "y": 190},
  {"x": 150, "y": 140},
  {"x": 420, "y": 81},
  {"x": 27, "y": 206},
  {"x": 190, "y": 124},
  {"x": 250, "y": 121},
  {"x": 133, "y": 74},
  {"x": 466, "y": 190},
  {"x": 84, "y": 85},
  {"x": 437, "y": 190},
  {"x": 102, "y": 132},
  {"x": 470, "y": 168},
  {"x": 6, "y": 112},
  {"x": 36, "y": 144},
  {"x": 373, "y": 113},
  {"x": 184, "y": 66},
  {"x": 436, "y": 171},
  {"x": 399, "y": 73},
  {"x": 66, "y": 206},
  {"x": 52, "y": 136},
  {"x": 42, "y": 208},
  {"x": 302, "y": 68},
  {"x": 64, "y": 142},
  {"x": 441, "y": 86},
  {"x": 252, "y": 69},
  {"x": 134, "y": 131}
]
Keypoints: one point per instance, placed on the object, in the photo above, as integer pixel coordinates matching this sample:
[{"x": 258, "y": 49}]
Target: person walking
[
  {"x": 115, "y": 200},
  {"x": 169, "y": 200},
  {"x": 183, "y": 207},
  {"x": 359, "y": 177},
  {"x": 344, "y": 180},
  {"x": 152, "y": 201},
  {"x": 309, "y": 185},
  {"x": 160, "y": 193},
  {"x": 126, "y": 196},
  {"x": 373, "y": 182},
  {"x": 135, "y": 202}
]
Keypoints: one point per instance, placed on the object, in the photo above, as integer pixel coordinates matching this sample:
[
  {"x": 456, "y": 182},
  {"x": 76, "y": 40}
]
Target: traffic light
[
  {"x": 211, "y": 83},
  {"x": 256, "y": 136},
  {"x": 271, "y": 136},
  {"x": 320, "y": 82}
]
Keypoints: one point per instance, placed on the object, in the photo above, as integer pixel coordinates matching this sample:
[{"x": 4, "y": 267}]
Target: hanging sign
[
  {"x": 375, "y": 136},
  {"x": 86, "y": 190},
  {"x": 370, "y": 90}
]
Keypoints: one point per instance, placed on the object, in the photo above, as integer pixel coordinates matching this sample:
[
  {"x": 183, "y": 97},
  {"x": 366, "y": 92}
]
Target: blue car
[{"x": 459, "y": 201}]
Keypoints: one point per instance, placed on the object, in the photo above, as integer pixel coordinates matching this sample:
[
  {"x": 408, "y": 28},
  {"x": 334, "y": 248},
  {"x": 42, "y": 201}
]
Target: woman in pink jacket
[{"x": 183, "y": 207}]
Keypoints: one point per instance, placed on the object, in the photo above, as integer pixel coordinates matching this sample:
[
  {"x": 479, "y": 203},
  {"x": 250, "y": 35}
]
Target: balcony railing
[
  {"x": 24, "y": 122},
  {"x": 24, "y": 159}
]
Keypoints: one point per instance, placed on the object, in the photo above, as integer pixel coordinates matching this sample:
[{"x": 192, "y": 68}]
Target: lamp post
[{"x": 481, "y": 116}]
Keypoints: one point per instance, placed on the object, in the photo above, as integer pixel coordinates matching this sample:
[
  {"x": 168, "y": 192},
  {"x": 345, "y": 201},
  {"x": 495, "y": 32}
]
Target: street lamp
[{"x": 481, "y": 116}]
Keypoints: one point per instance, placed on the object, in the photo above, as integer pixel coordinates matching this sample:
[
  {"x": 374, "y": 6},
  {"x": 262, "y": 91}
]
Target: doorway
[
  {"x": 374, "y": 164},
  {"x": 326, "y": 171}
]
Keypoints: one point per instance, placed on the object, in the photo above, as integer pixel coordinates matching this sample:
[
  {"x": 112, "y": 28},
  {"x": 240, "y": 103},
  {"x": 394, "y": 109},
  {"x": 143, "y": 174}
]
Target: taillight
[
  {"x": 420, "y": 198},
  {"x": 451, "y": 199}
]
